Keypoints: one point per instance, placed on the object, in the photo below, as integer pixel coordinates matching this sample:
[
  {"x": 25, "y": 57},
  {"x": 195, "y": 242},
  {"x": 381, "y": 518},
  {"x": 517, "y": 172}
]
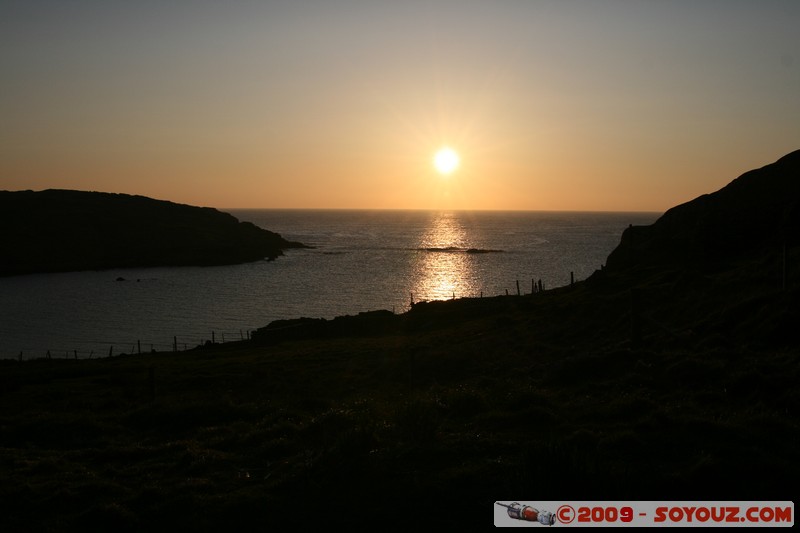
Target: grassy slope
[{"x": 535, "y": 397}]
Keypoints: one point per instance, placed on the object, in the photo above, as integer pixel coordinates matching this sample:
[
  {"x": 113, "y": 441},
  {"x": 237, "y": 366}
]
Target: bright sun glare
[{"x": 446, "y": 160}]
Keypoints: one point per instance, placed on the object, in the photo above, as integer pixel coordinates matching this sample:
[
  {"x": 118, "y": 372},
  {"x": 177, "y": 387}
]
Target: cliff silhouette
[
  {"x": 758, "y": 211},
  {"x": 65, "y": 230}
]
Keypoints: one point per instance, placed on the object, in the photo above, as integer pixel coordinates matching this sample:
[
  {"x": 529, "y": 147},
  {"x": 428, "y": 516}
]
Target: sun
[{"x": 446, "y": 160}]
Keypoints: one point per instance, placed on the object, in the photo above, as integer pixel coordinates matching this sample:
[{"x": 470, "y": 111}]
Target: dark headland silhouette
[
  {"x": 669, "y": 375},
  {"x": 64, "y": 230},
  {"x": 758, "y": 210}
]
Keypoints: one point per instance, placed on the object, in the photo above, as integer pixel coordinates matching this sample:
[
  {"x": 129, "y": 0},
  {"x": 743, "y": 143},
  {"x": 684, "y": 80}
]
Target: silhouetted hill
[
  {"x": 62, "y": 230},
  {"x": 758, "y": 210},
  {"x": 720, "y": 270}
]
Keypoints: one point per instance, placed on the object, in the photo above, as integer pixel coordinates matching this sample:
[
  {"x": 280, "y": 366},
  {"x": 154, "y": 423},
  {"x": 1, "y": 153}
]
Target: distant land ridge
[
  {"x": 758, "y": 210},
  {"x": 67, "y": 230}
]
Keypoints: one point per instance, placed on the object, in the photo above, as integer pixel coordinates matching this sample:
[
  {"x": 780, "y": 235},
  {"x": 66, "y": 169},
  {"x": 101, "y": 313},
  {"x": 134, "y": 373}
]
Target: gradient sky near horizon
[{"x": 552, "y": 105}]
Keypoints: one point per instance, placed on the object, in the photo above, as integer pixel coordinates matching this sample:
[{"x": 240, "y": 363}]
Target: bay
[{"x": 360, "y": 261}]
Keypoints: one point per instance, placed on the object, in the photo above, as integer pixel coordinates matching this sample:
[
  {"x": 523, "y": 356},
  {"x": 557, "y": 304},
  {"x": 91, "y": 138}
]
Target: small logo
[
  {"x": 565, "y": 514},
  {"x": 528, "y": 513}
]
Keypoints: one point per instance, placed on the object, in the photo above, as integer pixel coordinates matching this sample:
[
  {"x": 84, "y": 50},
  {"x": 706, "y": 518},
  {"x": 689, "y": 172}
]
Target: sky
[{"x": 593, "y": 105}]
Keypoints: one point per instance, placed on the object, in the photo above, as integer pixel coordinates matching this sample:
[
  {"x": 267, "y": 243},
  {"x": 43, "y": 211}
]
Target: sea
[{"x": 356, "y": 261}]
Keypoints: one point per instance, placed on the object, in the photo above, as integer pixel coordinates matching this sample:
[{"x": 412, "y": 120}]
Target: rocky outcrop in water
[{"x": 62, "y": 230}]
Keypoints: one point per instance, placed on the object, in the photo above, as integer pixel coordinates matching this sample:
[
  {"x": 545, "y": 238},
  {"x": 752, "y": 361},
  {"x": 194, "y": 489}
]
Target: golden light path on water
[{"x": 443, "y": 268}]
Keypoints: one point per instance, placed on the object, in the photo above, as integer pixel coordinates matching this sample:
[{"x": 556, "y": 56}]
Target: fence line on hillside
[
  {"x": 536, "y": 287},
  {"x": 217, "y": 337},
  {"x": 137, "y": 347}
]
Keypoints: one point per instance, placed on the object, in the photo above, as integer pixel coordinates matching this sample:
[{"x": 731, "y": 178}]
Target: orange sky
[{"x": 594, "y": 105}]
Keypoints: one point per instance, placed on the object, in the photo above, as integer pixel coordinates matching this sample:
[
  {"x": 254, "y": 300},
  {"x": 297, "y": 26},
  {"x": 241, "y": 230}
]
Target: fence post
[
  {"x": 213, "y": 340},
  {"x": 518, "y": 292},
  {"x": 151, "y": 380},
  {"x": 139, "y": 347},
  {"x": 110, "y": 350},
  {"x": 76, "y": 355},
  {"x": 572, "y": 278},
  {"x": 175, "y": 343}
]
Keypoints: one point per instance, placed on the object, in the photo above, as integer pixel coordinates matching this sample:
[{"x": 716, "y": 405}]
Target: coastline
[{"x": 359, "y": 263}]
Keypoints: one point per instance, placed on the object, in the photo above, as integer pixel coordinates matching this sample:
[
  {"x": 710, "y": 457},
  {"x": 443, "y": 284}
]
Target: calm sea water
[{"x": 361, "y": 261}]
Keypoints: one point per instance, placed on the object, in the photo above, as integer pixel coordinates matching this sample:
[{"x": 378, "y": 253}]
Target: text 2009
[{"x": 604, "y": 514}]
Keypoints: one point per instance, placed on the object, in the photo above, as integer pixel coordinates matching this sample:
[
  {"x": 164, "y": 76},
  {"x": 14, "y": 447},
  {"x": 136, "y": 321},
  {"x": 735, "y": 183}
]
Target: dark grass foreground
[
  {"x": 662, "y": 377},
  {"x": 535, "y": 397}
]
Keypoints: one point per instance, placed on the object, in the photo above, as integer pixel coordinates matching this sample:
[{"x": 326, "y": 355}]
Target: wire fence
[{"x": 99, "y": 349}]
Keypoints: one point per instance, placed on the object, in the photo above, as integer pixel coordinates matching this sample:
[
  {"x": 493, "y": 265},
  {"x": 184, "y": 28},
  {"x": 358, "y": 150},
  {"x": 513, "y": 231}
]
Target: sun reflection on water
[{"x": 443, "y": 267}]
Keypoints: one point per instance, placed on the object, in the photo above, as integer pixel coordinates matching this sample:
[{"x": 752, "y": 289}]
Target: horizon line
[
  {"x": 428, "y": 209},
  {"x": 472, "y": 210}
]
